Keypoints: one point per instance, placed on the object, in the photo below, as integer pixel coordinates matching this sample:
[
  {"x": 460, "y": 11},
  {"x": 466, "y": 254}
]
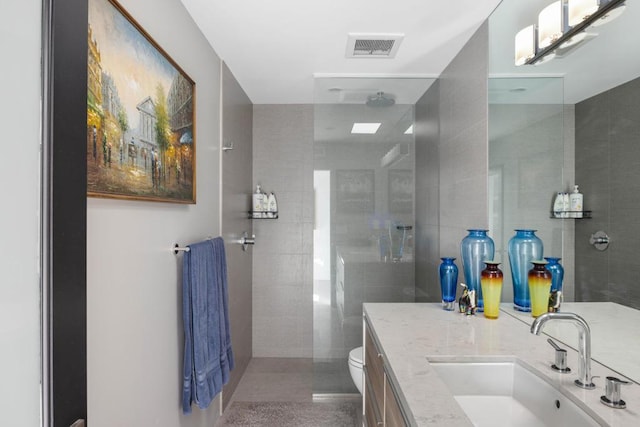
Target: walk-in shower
[{"x": 364, "y": 212}]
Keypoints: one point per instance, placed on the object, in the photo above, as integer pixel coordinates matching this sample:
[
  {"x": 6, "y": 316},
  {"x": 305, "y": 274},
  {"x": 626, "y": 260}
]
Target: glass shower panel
[
  {"x": 364, "y": 212},
  {"x": 526, "y": 163}
]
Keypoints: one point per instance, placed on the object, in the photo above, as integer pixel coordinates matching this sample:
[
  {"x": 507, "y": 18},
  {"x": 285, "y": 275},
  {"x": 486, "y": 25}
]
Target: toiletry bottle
[
  {"x": 565, "y": 205},
  {"x": 258, "y": 202},
  {"x": 272, "y": 205},
  {"x": 558, "y": 205},
  {"x": 575, "y": 200}
]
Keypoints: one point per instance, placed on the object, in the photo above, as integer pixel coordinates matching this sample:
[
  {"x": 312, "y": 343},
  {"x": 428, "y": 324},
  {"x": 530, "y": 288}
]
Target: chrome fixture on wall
[
  {"x": 599, "y": 240},
  {"x": 562, "y": 26}
]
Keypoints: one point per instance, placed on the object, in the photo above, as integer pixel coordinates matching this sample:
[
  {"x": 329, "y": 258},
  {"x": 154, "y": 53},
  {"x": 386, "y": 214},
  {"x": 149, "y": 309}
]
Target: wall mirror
[{"x": 574, "y": 118}]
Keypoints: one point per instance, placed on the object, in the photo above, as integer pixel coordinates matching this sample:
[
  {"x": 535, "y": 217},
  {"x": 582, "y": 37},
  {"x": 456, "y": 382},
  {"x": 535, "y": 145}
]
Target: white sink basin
[{"x": 509, "y": 394}]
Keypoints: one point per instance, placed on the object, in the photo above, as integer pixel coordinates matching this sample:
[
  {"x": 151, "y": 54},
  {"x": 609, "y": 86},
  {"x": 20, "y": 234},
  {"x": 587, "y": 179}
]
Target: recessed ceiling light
[
  {"x": 366, "y": 128},
  {"x": 409, "y": 130}
]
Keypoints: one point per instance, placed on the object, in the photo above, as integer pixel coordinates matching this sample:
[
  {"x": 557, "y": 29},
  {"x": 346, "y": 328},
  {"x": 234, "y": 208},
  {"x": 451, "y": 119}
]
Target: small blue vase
[
  {"x": 557, "y": 273},
  {"x": 476, "y": 248},
  {"x": 523, "y": 248},
  {"x": 448, "y": 282}
]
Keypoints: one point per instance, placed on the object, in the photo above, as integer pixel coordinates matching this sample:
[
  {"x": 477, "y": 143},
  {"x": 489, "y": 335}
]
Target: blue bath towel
[{"x": 208, "y": 356}]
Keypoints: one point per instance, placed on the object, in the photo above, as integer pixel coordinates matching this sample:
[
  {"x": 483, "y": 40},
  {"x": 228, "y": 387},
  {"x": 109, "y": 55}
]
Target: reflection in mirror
[
  {"x": 593, "y": 91},
  {"x": 526, "y": 164}
]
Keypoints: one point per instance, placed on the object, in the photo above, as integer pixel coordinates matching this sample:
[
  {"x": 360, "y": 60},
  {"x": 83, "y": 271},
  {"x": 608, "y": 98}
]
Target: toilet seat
[{"x": 355, "y": 357}]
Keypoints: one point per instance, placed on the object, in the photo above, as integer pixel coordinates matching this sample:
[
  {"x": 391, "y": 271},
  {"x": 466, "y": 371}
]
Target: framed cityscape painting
[{"x": 140, "y": 113}]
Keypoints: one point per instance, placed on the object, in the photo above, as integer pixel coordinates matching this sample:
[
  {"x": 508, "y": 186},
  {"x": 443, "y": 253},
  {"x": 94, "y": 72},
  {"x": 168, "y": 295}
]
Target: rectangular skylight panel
[{"x": 365, "y": 128}]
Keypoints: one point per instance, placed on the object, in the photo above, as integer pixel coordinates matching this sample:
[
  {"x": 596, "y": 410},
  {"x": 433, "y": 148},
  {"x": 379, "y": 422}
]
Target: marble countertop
[
  {"x": 615, "y": 335},
  {"x": 410, "y": 333}
]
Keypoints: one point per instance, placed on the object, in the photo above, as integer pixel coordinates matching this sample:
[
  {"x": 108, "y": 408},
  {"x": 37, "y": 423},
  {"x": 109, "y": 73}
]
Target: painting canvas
[
  {"x": 140, "y": 113},
  {"x": 355, "y": 191}
]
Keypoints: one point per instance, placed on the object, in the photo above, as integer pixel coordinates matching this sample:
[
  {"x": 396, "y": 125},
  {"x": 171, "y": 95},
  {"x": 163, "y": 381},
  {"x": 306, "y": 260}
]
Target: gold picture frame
[{"x": 140, "y": 113}]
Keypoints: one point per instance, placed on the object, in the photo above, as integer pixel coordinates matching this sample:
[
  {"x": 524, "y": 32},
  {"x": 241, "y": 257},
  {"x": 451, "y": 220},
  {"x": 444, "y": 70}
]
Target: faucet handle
[
  {"x": 612, "y": 393},
  {"x": 560, "y": 364}
]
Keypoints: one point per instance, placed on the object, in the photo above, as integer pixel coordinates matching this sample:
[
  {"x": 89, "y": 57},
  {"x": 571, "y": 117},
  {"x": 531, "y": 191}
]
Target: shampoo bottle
[
  {"x": 258, "y": 202},
  {"x": 272, "y": 206},
  {"x": 558, "y": 205},
  {"x": 565, "y": 205},
  {"x": 575, "y": 200}
]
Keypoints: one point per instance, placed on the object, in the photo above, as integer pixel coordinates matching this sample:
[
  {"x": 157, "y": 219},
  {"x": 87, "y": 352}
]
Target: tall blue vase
[
  {"x": 448, "y": 282},
  {"x": 476, "y": 248},
  {"x": 523, "y": 248}
]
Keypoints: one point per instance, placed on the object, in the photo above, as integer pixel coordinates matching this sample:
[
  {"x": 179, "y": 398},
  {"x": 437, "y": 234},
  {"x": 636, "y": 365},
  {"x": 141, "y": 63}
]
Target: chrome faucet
[{"x": 584, "y": 343}]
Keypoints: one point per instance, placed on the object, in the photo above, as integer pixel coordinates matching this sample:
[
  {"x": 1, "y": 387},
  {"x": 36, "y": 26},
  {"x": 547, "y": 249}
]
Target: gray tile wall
[
  {"x": 427, "y": 178},
  {"x": 463, "y": 146},
  {"x": 283, "y": 254},
  {"x": 237, "y": 121},
  {"x": 608, "y": 172}
]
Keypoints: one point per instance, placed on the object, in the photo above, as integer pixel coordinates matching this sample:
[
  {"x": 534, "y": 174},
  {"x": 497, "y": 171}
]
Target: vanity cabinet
[{"x": 381, "y": 406}]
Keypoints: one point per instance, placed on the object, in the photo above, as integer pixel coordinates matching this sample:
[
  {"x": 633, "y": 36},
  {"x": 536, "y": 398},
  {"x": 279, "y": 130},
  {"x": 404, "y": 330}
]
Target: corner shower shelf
[
  {"x": 572, "y": 215},
  {"x": 263, "y": 215}
]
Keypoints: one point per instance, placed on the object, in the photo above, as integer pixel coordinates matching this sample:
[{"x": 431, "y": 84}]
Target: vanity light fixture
[
  {"x": 562, "y": 25},
  {"x": 579, "y": 10},
  {"x": 550, "y": 24},
  {"x": 365, "y": 128},
  {"x": 525, "y": 45}
]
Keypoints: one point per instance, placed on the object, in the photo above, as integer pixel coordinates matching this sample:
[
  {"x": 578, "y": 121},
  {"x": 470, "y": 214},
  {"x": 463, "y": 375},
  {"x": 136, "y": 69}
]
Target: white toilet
[{"x": 355, "y": 367}]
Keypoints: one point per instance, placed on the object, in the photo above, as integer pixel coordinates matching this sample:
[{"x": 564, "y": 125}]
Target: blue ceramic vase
[
  {"x": 523, "y": 248},
  {"x": 448, "y": 282},
  {"x": 476, "y": 248},
  {"x": 557, "y": 273},
  {"x": 557, "y": 277}
]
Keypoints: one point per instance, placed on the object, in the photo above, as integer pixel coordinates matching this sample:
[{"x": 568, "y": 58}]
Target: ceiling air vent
[{"x": 373, "y": 45}]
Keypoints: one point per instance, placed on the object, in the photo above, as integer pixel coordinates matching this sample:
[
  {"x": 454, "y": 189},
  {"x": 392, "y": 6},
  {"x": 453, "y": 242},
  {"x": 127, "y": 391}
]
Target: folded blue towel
[{"x": 208, "y": 356}]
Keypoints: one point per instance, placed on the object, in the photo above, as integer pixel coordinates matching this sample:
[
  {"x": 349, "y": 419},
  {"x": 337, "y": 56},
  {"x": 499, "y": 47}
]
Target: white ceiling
[
  {"x": 275, "y": 48},
  {"x": 606, "y": 61}
]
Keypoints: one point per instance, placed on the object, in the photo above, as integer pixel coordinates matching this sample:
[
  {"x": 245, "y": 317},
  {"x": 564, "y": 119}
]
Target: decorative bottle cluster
[
  {"x": 264, "y": 205},
  {"x": 537, "y": 282}
]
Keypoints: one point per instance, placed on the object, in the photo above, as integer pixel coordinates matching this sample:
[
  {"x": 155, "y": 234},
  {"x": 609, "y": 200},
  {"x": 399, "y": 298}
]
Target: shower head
[{"x": 380, "y": 100}]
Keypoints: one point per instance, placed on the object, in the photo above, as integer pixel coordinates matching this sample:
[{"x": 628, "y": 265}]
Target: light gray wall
[
  {"x": 608, "y": 172},
  {"x": 134, "y": 321},
  {"x": 427, "y": 230},
  {"x": 237, "y": 123},
  {"x": 20, "y": 85},
  {"x": 463, "y": 147},
  {"x": 283, "y": 254},
  {"x": 451, "y": 162}
]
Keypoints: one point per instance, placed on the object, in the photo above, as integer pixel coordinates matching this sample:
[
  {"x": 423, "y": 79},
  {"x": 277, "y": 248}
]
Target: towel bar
[
  {"x": 177, "y": 248},
  {"x": 245, "y": 241}
]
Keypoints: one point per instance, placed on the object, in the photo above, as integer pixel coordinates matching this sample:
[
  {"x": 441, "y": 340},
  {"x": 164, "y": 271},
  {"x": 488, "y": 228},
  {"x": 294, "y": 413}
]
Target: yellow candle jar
[
  {"x": 539, "y": 287},
  {"x": 491, "y": 283}
]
